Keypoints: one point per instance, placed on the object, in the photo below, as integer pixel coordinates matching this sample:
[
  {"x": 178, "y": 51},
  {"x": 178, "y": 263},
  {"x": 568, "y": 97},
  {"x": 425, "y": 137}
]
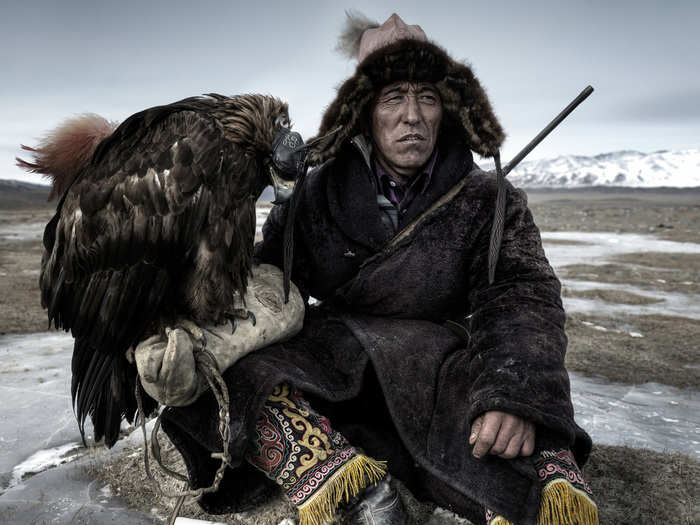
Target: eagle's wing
[{"x": 165, "y": 199}]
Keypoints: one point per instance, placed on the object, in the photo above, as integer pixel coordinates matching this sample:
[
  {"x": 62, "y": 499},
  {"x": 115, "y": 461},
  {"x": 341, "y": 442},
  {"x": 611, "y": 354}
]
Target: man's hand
[{"x": 503, "y": 435}]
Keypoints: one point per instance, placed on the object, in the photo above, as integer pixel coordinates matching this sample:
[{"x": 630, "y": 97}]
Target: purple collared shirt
[{"x": 401, "y": 197}]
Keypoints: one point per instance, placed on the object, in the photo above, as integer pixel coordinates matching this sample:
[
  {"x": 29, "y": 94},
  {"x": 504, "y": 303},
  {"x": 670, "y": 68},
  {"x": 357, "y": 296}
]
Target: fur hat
[{"x": 395, "y": 52}]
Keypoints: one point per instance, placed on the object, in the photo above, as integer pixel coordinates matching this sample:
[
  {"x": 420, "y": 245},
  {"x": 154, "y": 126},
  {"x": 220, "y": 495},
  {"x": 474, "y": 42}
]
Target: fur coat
[{"x": 410, "y": 342}]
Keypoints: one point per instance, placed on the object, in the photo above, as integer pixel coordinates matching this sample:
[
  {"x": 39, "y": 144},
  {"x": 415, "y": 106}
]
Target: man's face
[{"x": 405, "y": 123}]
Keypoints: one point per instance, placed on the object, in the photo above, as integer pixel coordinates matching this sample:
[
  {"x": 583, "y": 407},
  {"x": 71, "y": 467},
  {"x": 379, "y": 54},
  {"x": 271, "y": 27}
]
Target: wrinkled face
[{"x": 405, "y": 122}]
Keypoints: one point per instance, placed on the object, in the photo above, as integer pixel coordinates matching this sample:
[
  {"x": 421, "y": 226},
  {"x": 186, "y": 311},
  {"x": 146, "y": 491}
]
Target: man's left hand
[{"x": 502, "y": 434}]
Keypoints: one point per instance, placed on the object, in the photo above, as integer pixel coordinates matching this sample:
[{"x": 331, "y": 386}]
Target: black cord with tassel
[
  {"x": 288, "y": 242},
  {"x": 500, "y": 212},
  {"x": 499, "y": 216}
]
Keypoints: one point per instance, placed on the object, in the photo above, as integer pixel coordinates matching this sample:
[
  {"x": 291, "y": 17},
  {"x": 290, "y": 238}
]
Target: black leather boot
[{"x": 378, "y": 504}]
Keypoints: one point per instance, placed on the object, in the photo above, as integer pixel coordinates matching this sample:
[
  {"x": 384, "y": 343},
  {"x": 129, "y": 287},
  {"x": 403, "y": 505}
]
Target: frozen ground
[
  {"x": 35, "y": 413},
  {"x": 29, "y": 231},
  {"x": 43, "y": 466},
  {"x": 564, "y": 248},
  {"x": 670, "y": 303},
  {"x": 33, "y": 231},
  {"x": 68, "y": 494},
  {"x": 567, "y": 248},
  {"x": 654, "y": 416}
]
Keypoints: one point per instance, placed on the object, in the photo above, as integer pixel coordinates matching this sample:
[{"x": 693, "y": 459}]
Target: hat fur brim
[{"x": 410, "y": 60}]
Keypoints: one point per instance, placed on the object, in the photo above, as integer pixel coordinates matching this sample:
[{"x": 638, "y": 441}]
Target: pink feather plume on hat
[{"x": 361, "y": 35}]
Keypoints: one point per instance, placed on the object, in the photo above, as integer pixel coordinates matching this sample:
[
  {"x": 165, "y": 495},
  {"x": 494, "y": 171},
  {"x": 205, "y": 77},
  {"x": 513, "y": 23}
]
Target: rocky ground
[
  {"x": 672, "y": 214},
  {"x": 633, "y": 302},
  {"x": 20, "y": 258}
]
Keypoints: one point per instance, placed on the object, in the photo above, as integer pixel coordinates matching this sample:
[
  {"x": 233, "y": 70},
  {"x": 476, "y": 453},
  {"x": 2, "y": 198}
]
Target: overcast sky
[{"x": 65, "y": 57}]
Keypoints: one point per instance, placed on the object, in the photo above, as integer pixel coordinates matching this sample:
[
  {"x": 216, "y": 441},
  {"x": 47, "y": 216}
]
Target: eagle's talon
[
  {"x": 195, "y": 332},
  {"x": 239, "y": 313},
  {"x": 232, "y": 318}
]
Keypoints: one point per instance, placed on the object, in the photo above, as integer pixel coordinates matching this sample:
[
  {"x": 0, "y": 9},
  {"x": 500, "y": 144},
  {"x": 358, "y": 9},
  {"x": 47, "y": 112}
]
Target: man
[{"x": 416, "y": 360}]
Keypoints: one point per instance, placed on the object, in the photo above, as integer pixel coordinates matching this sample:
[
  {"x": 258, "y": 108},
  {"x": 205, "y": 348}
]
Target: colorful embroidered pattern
[
  {"x": 296, "y": 446},
  {"x": 551, "y": 465},
  {"x": 566, "y": 497},
  {"x": 315, "y": 465}
]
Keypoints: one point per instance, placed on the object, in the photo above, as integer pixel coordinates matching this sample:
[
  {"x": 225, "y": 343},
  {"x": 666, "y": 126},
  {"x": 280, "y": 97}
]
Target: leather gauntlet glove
[{"x": 166, "y": 362}]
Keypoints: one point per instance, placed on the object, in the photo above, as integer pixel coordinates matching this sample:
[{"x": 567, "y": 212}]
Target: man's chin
[{"x": 412, "y": 162}]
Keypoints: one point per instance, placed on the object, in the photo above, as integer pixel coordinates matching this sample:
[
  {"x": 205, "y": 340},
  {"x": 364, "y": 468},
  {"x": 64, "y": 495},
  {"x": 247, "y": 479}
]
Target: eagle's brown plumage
[{"x": 157, "y": 223}]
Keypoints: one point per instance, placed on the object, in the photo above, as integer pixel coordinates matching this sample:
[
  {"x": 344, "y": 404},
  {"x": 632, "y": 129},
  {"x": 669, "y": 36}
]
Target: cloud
[{"x": 681, "y": 106}]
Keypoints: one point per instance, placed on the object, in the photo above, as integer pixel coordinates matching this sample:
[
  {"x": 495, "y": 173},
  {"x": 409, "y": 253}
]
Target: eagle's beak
[{"x": 283, "y": 188}]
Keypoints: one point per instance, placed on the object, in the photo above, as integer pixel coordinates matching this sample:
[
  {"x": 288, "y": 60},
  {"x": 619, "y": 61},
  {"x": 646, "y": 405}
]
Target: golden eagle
[{"x": 156, "y": 221}]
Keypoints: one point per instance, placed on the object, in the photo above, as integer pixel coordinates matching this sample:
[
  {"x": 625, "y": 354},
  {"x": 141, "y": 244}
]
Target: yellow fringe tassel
[
  {"x": 343, "y": 485},
  {"x": 562, "y": 504},
  {"x": 500, "y": 520}
]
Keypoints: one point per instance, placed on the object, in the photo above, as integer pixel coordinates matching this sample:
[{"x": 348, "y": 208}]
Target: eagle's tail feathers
[
  {"x": 64, "y": 151},
  {"x": 89, "y": 388},
  {"x": 102, "y": 388},
  {"x": 110, "y": 319}
]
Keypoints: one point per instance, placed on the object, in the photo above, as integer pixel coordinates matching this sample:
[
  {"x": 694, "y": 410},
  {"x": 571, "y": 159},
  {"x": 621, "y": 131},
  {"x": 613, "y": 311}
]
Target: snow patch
[
  {"x": 261, "y": 213},
  {"x": 602, "y": 246},
  {"x": 669, "y": 303},
  {"x": 43, "y": 460}
]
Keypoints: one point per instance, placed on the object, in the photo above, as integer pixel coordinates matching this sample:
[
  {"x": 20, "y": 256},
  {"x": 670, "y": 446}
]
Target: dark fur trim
[{"x": 463, "y": 98}]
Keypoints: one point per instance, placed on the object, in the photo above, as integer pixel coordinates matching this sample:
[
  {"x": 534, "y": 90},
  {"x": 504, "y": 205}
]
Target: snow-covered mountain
[
  {"x": 679, "y": 168},
  {"x": 675, "y": 169}
]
